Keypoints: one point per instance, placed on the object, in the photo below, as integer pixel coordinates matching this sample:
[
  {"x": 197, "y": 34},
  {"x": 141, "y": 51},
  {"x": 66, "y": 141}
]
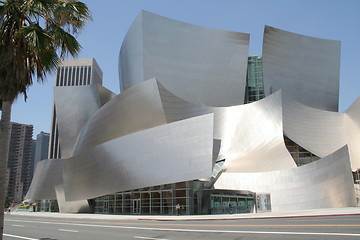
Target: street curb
[{"x": 247, "y": 218}]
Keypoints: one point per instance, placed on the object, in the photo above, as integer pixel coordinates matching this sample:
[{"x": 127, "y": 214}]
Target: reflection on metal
[
  {"x": 306, "y": 69},
  {"x": 318, "y": 131},
  {"x": 202, "y": 65},
  {"x": 252, "y": 136},
  {"x": 353, "y": 131},
  {"x": 135, "y": 109},
  {"x": 181, "y": 110},
  {"x": 252, "y": 131},
  {"x": 323, "y": 132},
  {"x": 48, "y": 173},
  {"x": 81, "y": 206},
  {"x": 326, "y": 183},
  {"x": 74, "y": 106},
  {"x": 105, "y": 95},
  {"x": 175, "y": 152}
]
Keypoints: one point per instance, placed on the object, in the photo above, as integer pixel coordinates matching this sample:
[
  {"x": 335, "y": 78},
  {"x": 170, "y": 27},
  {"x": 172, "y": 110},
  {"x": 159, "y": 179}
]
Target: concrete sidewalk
[{"x": 289, "y": 214}]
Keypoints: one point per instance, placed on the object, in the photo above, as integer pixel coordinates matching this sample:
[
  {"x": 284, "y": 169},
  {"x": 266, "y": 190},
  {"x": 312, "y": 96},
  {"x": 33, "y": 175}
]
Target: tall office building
[
  {"x": 40, "y": 150},
  {"x": 72, "y": 72},
  {"x": 19, "y": 161},
  {"x": 42, "y": 146},
  {"x": 32, "y": 162}
]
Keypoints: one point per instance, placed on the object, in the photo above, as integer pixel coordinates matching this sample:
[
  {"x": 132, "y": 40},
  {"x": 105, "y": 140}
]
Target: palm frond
[
  {"x": 31, "y": 49},
  {"x": 64, "y": 40}
]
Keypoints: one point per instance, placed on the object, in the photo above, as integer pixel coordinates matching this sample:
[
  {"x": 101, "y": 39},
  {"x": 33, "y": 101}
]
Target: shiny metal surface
[
  {"x": 307, "y": 69},
  {"x": 250, "y": 134},
  {"x": 81, "y": 206},
  {"x": 353, "y": 133},
  {"x": 105, "y": 95},
  {"x": 138, "y": 108},
  {"x": 48, "y": 173},
  {"x": 181, "y": 109},
  {"x": 74, "y": 106},
  {"x": 202, "y": 65},
  {"x": 326, "y": 183},
  {"x": 318, "y": 131},
  {"x": 175, "y": 152}
]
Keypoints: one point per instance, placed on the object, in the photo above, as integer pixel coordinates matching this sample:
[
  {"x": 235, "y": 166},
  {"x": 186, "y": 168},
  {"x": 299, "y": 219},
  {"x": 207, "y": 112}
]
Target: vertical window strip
[
  {"x": 77, "y": 76},
  {"x": 70, "y": 76},
  {"x": 52, "y": 136},
  {"x": 62, "y": 77},
  {"x": 56, "y": 138},
  {"x": 66, "y": 76},
  {"x": 89, "y": 75},
  {"x": 81, "y": 75},
  {"x": 73, "y": 76},
  {"x": 85, "y": 75}
]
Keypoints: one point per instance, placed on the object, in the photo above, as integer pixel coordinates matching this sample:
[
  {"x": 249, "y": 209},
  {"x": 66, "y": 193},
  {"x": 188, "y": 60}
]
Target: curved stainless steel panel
[
  {"x": 48, "y": 173},
  {"x": 318, "y": 131},
  {"x": 131, "y": 57},
  {"x": 202, "y": 65},
  {"x": 81, "y": 206},
  {"x": 175, "y": 152},
  {"x": 74, "y": 107},
  {"x": 353, "y": 131},
  {"x": 105, "y": 95},
  {"x": 307, "y": 69},
  {"x": 251, "y": 135},
  {"x": 172, "y": 128},
  {"x": 326, "y": 183},
  {"x": 138, "y": 108}
]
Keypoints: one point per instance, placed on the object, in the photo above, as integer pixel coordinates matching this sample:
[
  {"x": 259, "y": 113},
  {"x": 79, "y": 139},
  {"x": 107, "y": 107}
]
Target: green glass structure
[{"x": 254, "y": 80}]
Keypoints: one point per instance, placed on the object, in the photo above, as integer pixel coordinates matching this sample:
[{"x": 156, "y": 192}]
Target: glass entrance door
[{"x": 136, "y": 206}]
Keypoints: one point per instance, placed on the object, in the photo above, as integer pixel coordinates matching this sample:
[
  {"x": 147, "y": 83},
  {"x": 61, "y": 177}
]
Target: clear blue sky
[{"x": 102, "y": 38}]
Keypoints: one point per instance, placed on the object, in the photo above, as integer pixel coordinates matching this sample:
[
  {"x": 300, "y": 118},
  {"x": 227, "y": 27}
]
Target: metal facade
[
  {"x": 174, "y": 152},
  {"x": 320, "y": 132},
  {"x": 202, "y": 65},
  {"x": 307, "y": 69},
  {"x": 181, "y": 110},
  {"x": 326, "y": 183},
  {"x": 353, "y": 133}
]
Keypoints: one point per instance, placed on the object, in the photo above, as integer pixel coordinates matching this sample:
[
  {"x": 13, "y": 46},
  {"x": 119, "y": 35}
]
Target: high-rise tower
[
  {"x": 19, "y": 161},
  {"x": 40, "y": 150},
  {"x": 72, "y": 72}
]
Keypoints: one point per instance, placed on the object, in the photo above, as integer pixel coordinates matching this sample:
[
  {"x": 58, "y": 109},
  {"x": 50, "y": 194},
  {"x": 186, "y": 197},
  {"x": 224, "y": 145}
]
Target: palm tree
[{"x": 34, "y": 35}]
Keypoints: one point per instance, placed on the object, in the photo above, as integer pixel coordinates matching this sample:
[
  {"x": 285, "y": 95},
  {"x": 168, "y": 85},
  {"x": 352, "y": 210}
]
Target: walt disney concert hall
[{"x": 200, "y": 123}]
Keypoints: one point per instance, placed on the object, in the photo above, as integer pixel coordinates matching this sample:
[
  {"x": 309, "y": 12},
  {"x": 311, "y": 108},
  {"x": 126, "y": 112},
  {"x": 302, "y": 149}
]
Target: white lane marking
[
  {"x": 20, "y": 237},
  {"x": 150, "y": 238},
  {"x": 68, "y": 230},
  {"x": 319, "y": 220},
  {"x": 193, "y": 230},
  {"x": 14, "y": 225}
]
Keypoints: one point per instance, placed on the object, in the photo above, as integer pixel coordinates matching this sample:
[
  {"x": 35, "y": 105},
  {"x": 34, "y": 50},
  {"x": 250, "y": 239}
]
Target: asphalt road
[{"x": 41, "y": 228}]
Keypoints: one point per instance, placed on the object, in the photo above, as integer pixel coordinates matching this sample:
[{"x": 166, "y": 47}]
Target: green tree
[
  {"x": 8, "y": 201},
  {"x": 34, "y": 35}
]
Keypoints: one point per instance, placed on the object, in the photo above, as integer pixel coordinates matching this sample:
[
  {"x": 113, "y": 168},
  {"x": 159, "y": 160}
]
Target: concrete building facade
[
  {"x": 19, "y": 161},
  {"x": 71, "y": 72}
]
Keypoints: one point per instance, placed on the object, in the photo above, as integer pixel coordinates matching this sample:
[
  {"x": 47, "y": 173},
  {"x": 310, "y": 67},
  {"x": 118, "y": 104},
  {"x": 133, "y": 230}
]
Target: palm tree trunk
[{"x": 4, "y": 153}]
